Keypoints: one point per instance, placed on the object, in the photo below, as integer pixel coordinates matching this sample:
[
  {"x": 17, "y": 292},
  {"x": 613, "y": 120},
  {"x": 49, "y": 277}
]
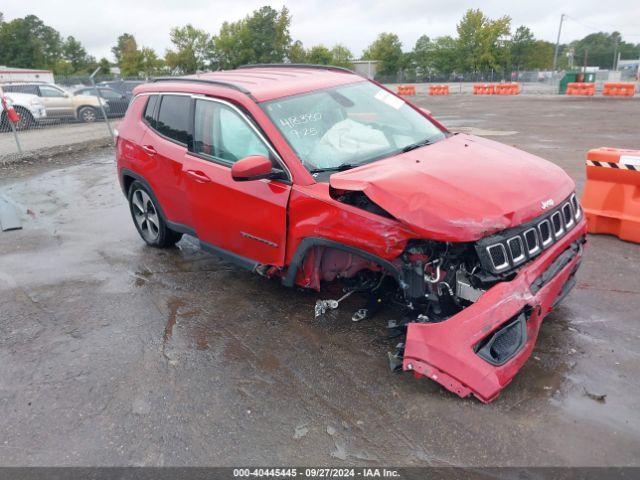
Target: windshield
[{"x": 349, "y": 125}]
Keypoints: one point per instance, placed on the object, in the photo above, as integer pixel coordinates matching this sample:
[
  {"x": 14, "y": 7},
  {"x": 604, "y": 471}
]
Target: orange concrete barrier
[
  {"x": 611, "y": 89},
  {"x": 438, "y": 89},
  {"x": 507, "y": 88},
  {"x": 611, "y": 199},
  {"x": 484, "y": 89},
  {"x": 406, "y": 90},
  {"x": 581, "y": 89}
]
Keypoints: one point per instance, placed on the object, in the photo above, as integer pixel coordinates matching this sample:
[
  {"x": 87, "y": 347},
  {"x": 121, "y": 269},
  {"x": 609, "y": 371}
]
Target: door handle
[
  {"x": 149, "y": 150},
  {"x": 198, "y": 176}
]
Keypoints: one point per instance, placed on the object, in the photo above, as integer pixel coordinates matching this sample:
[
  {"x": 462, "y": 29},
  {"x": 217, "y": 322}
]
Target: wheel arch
[{"x": 307, "y": 243}]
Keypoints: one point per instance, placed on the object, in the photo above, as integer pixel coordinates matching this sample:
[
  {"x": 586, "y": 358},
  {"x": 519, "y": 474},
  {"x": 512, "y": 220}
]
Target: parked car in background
[
  {"x": 59, "y": 103},
  {"x": 30, "y": 109},
  {"x": 124, "y": 87},
  {"x": 118, "y": 102},
  {"x": 314, "y": 174}
]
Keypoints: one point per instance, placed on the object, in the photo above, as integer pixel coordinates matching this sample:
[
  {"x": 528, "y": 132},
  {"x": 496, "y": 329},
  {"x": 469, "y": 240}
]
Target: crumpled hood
[{"x": 461, "y": 188}]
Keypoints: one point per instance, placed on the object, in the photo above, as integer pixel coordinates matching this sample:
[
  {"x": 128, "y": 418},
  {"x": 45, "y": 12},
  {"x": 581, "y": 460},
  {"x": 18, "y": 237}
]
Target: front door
[{"x": 248, "y": 219}]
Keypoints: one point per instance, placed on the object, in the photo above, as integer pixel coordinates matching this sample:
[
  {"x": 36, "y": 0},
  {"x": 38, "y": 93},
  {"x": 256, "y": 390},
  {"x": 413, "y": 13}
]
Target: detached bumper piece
[{"x": 480, "y": 350}]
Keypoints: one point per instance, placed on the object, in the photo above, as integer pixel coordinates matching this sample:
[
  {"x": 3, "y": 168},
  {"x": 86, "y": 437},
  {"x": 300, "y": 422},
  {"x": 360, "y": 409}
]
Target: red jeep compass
[{"x": 314, "y": 174}]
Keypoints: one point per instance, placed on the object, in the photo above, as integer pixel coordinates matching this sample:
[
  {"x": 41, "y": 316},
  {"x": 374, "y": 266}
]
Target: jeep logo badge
[{"x": 547, "y": 204}]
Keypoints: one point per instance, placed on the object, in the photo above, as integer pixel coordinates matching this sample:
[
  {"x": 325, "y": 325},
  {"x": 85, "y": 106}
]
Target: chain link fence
[{"x": 73, "y": 113}]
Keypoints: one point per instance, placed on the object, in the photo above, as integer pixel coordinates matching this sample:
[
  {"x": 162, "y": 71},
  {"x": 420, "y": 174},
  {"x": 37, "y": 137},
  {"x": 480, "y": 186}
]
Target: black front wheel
[
  {"x": 88, "y": 114},
  {"x": 148, "y": 220},
  {"x": 26, "y": 119}
]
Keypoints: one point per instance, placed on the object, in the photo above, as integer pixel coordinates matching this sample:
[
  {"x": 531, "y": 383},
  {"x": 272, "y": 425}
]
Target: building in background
[{"x": 10, "y": 74}]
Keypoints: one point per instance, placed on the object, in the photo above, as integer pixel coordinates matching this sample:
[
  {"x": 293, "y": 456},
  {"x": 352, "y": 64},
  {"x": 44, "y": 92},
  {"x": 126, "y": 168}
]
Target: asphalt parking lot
[{"x": 113, "y": 353}]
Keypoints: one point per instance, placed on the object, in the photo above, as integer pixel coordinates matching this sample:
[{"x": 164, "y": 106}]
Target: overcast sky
[{"x": 354, "y": 23}]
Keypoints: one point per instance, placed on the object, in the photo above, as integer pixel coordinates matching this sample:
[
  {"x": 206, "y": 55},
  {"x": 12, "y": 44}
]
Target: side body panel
[{"x": 248, "y": 219}]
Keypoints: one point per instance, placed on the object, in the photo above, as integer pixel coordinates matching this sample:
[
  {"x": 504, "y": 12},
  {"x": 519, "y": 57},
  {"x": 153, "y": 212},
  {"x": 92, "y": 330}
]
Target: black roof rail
[
  {"x": 298, "y": 65},
  {"x": 220, "y": 83}
]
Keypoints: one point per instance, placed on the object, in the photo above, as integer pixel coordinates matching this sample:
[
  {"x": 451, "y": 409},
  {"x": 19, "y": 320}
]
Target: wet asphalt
[{"x": 113, "y": 353}]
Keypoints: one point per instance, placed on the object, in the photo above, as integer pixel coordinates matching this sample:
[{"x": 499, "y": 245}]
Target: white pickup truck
[{"x": 29, "y": 107}]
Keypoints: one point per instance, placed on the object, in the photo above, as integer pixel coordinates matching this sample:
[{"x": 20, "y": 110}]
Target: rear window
[
  {"x": 173, "y": 118},
  {"x": 150, "y": 109}
]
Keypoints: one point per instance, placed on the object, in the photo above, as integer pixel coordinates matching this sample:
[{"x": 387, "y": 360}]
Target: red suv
[{"x": 314, "y": 174}]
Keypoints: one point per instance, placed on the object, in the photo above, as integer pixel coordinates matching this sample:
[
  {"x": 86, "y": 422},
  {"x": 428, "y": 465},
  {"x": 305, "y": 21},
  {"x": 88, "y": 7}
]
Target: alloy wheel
[{"x": 145, "y": 215}]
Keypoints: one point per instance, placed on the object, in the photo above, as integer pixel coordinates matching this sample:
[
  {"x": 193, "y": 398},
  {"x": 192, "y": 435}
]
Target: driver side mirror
[{"x": 254, "y": 167}]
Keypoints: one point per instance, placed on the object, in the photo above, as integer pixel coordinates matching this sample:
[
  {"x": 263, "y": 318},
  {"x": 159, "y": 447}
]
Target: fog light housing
[{"x": 499, "y": 347}]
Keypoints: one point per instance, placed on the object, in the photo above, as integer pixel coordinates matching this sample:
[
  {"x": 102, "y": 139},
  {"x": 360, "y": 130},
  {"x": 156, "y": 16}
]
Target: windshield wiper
[
  {"x": 413, "y": 146},
  {"x": 339, "y": 168}
]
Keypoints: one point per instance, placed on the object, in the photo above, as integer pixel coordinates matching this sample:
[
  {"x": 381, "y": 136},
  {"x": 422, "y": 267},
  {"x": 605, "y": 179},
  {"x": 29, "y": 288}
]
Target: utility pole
[
  {"x": 615, "y": 52},
  {"x": 555, "y": 55}
]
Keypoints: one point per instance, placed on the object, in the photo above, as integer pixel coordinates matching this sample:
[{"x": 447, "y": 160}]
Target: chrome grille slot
[
  {"x": 498, "y": 256},
  {"x": 558, "y": 225},
  {"x": 531, "y": 241},
  {"x": 517, "y": 250},
  {"x": 567, "y": 213},
  {"x": 577, "y": 212},
  {"x": 545, "y": 232}
]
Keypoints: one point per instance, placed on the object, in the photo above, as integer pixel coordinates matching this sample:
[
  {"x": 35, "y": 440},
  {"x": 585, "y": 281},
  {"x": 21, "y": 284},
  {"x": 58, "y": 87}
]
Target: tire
[
  {"x": 87, "y": 115},
  {"x": 26, "y": 119},
  {"x": 4, "y": 123},
  {"x": 148, "y": 220}
]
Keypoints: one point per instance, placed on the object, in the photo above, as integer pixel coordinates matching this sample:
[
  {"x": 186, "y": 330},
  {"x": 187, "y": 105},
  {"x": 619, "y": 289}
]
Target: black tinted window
[
  {"x": 148, "y": 111},
  {"x": 173, "y": 118}
]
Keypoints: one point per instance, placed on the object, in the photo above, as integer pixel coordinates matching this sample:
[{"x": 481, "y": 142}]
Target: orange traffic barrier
[
  {"x": 438, "y": 89},
  {"x": 581, "y": 89},
  {"x": 406, "y": 90},
  {"x": 507, "y": 88},
  {"x": 483, "y": 89},
  {"x": 619, "y": 89},
  {"x": 611, "y": 199}
]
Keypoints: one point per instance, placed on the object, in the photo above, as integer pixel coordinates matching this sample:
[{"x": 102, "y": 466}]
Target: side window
[
  {"x": 149, "y": 111},
  {"x": 223, "y": 134},
  {"x": 46, "y": 91},
  {"x": 173, "y": 118}
]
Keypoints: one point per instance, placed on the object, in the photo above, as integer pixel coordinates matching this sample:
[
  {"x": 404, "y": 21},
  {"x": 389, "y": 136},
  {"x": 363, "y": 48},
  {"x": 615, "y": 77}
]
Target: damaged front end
[{"x": 470, "y": 311}]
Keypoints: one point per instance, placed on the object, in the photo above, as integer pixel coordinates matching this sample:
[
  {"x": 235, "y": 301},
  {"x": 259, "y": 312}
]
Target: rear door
[
  {"x": 164, "y": 147},
  {"x": 57, "y": 102},
  {"x": 248, "y": 219}
]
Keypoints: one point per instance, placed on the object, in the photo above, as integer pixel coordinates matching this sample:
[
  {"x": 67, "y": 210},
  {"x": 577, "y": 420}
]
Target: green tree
[
  {"x": 105, "y": 66},
  {"x": 341, "y": 56},
  {"x": 482, "y": 42},
  {"x": 387, "y": 50},
  {"x": 522, "y": 47},
  {"x": 123, "y": 41},
  {"x": 319, "y": 55},
  {"x": 297, "y": 53},
  {"x": 269, "y": 38},
  {"x": 193, "y": 49},
  {"x": 150, "y": 63},
  {"x": 261, "y": 37},
  {"x": 130, "y": 62},
  {"x": 29, "y": 43},
  {"x": 445, "y": 55},
  {"x": 74, "y": 53},
  {"x": 601, "y": 48},
  {"x": 423, "y": 55},
  {"x": 541, "y": 56}
]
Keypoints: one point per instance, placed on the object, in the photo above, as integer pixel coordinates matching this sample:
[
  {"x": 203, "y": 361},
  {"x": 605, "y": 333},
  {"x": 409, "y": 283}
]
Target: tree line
[{"x": 482, "y": 44}]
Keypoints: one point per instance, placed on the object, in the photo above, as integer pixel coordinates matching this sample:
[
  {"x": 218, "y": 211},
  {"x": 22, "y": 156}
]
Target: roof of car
[{"x": 268, "y": 82}]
